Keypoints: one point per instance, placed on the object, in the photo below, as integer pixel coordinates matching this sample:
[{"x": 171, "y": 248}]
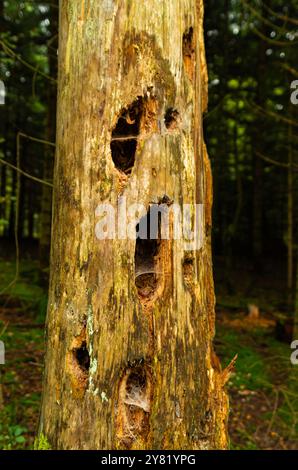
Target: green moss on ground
[{"x": 263, "y": 389}]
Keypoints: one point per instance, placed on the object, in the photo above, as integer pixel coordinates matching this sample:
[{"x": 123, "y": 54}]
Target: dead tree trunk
[{"x": 129, "y": 360}]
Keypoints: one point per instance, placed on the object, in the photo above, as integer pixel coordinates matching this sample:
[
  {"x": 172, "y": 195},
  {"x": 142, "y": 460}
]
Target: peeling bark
[{"x": 150, "y": 378}]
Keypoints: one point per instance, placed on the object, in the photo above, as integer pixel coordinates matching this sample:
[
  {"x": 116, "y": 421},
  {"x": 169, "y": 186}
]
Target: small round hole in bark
[
  {"x": 172, "y": 119},
  {"x": 82, "y": 357},
  {"x": 188, "y": 270}
]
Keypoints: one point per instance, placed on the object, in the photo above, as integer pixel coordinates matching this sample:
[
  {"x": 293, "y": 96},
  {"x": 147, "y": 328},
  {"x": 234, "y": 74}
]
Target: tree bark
[{"x": 124, "y": 368}]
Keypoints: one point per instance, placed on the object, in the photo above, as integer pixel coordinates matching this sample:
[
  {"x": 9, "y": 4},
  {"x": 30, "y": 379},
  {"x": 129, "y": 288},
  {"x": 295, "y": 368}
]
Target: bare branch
[
  {"x": 13, "y": 54},
  {"x": 27, "y": 175},
  {"x": 275, "y": 162}
]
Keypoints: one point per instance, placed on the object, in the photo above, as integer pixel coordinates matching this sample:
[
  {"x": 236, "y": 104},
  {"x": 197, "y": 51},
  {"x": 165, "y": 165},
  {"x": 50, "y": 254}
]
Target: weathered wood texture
[{"x": 126, "y": 370}]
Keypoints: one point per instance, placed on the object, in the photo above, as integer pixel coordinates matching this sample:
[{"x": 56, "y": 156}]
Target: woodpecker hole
[
  {"x": 137, "y": 119},
  {"x": 135, "y": 396},
  {"x": 78, "y": 364},
  {"x": 124, "y": 137},
  {"x": 188, "y": 49},
  {"x": 188, "y": 271},
  {"x": 82, "y": 357},
  {"x": 172, "y": 119},
  {"x": 146, "y": 254}
]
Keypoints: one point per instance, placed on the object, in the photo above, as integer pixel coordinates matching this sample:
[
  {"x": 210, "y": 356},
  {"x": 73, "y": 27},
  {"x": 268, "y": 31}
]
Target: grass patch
[
  {"x": 263, "y": 388},
  {"x": 27, "y": 291},
  {"x": 250, "y": 372}
]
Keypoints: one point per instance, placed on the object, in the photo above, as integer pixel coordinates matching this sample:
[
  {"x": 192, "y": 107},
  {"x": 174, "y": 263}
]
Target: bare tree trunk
[{"x": 129, "y": 360}]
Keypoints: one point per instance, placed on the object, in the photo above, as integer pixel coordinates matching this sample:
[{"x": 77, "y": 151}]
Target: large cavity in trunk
[
  {"x": 125, "y": 135},
  {"x": 147, "y": 248}
]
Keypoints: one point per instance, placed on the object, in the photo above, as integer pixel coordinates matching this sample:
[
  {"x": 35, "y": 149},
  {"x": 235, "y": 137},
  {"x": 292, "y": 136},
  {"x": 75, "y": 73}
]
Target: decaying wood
[{"x": 128, "y": 367}]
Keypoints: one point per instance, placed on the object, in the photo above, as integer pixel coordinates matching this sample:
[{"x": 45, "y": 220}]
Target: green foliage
[
  {"x": 263, "y": 367},
  {"x": 26, "y": 302},
  {"x": 250, "y": 444},
  {"x": 249, "y": 77},
  {"x": 41, "y": 443},
  {"x": 251, "y": 372},
  {"x": 12, "y": 436},
  {"x": 31, "y": 296},
  {"x": 21, "y": 407}
]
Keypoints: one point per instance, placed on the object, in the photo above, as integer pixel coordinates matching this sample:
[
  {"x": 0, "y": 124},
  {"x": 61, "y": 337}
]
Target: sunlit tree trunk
[{"x": 129, "y": 360}]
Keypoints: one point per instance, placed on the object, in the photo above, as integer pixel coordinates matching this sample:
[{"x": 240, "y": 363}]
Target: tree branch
[
  {"x": 275, "y": 162},
  {"x": 33, "y": 178},
  {"x": 11, "y": 53}
]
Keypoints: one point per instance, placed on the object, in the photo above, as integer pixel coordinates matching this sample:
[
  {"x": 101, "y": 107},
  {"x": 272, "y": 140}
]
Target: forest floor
[{"x": 263, "y": 389}]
